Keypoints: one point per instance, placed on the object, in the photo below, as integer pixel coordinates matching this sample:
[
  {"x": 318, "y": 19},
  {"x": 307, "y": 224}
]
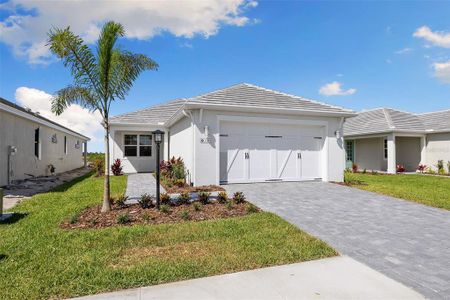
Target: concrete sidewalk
[{"x": 331, "y": 278}]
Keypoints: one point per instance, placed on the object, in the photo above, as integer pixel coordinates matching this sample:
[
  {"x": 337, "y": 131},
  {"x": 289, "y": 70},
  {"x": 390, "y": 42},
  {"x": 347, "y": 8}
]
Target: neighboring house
[
  {"x": 243, "y": 133},
  {"x": 30, "y": 144},
  {"x": 379, "y": 139}
]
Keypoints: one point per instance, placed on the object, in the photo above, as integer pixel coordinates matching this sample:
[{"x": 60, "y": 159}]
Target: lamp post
[{"x": 158, "y": 137}]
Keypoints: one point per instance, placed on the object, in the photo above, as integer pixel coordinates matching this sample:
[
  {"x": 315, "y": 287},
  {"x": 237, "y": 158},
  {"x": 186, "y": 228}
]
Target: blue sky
[{"x": 362, "y": 54}]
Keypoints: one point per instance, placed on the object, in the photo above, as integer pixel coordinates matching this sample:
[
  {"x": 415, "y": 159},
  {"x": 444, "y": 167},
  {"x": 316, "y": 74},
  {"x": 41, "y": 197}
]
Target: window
[
  {"x": 130, "y": 145},
  {"x": 385, "y": 148},
  {"x": 145, "y": 145},
  {"x": 65, "y": 144},
  {"x": 37, "y": 143},
  {"x": 349, "y": 150}
]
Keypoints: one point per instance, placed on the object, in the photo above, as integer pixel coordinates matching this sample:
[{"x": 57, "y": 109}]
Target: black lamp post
[{"x": 158, "y": 137}]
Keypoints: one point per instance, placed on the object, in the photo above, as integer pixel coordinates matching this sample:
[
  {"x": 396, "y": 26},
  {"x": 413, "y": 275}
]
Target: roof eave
[{"x": 269, "y": 109}]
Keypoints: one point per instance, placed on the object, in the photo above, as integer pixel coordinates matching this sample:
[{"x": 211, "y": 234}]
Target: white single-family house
[
  {"x": 31, "y": 145},
  {"x": 382, "y": 138},
  {"x": 243, "y": 133}
]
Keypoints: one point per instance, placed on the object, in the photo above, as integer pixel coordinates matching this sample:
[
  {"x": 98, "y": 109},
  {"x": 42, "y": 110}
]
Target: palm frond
[
  {"x": 111, "y": 31},
  {"x": 75, "y": 55},
  {"x": 73, "y": 95},
  {"x": 126, "y": 69}
]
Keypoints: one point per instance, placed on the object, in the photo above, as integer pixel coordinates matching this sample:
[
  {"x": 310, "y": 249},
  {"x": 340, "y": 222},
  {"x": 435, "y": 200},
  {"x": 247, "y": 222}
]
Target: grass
[
  {"x": 428, "y": 190},
  {"x": 39, "y": 260}
]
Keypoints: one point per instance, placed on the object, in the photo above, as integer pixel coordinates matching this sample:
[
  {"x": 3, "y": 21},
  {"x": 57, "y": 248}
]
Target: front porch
[{"x": 385, "y": 151}]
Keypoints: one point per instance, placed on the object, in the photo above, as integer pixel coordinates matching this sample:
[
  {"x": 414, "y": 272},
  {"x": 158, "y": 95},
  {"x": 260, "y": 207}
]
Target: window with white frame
[
  {"x": 145, "y": 145},
  {"x": 130, "y": 145},
  {"x": 385, "y": 148}
]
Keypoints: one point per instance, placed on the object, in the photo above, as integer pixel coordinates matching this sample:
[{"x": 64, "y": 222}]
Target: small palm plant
[{"x": 99, "y": 79}]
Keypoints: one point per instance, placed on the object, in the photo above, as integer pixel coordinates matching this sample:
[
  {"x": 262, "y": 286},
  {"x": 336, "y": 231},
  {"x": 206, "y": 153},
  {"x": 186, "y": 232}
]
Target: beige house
[
  {"x": 31, "y": 145},
  {"x": 379, "y": 139}
]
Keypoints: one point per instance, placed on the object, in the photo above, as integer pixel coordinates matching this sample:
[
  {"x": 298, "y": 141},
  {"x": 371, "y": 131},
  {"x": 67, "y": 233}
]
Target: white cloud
[
  {"x": 334, "y": 89},
  {"x": 74, "y": 117},
  {"x": 404, "y": 50},
  {"x": 442, "y": 71},
  {"x": 436, "y": 38},
  {"x": 27, "y": 33}
]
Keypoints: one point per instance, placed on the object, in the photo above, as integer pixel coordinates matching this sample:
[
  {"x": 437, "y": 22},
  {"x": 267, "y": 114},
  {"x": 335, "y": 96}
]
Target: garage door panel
[{"x": 251, "y": 152}]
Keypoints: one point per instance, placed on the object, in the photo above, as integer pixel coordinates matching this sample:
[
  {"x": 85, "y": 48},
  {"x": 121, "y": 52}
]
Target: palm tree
[{"x": 98, "y": 79}]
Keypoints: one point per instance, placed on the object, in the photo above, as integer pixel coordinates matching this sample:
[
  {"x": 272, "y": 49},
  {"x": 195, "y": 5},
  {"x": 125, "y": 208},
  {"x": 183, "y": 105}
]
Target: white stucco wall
[
  {"x": 181, "y": 143},
  {"x": 133, "y": 164},
  {"x": 19, "y": 132},
  {"x": 408, "y": 152},
  {"x": 206, "y": 156},
  {"x": 437, "y": 147}
]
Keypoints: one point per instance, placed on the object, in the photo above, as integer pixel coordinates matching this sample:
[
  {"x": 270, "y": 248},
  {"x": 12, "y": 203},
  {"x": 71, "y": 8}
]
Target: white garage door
[{"x": 255, "y": 152}]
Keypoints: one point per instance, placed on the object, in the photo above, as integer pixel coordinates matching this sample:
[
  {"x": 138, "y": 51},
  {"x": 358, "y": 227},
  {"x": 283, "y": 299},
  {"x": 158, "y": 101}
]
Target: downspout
[{"x": 188, "y": 114}]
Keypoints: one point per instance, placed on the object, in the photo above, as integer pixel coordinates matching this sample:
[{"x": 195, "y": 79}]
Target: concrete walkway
[
  {"x": 139, "y": 184},
  {"x": 331, "y": 278},
  {"x": 406, "y": 241}
]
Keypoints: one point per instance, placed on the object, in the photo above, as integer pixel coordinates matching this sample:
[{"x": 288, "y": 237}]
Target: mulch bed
[
  {"x": 93, "y": 218},
  {"x": 193, "y": 189}
]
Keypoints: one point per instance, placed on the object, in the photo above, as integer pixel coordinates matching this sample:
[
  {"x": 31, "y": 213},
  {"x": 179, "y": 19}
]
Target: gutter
[{"x": 189, "y": 115}]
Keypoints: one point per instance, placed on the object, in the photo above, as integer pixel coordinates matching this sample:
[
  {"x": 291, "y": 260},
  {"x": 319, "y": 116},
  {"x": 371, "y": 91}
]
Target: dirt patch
[
  {"x": 193, "y": 189},
  {"x": 134, "y": 214}
]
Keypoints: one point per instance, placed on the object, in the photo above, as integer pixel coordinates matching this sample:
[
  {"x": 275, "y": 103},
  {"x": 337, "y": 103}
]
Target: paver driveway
[{"x": 406, "y": 241}]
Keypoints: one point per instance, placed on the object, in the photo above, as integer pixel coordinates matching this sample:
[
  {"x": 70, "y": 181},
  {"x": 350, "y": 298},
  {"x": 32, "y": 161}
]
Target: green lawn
[
  {"x": 40, "y": 260},
  {"x": 428, "y": 190}
]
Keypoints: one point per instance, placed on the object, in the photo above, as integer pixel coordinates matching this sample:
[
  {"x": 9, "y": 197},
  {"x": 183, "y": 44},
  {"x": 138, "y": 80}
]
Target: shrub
[
  {"x": 197, "y": 206},
  {"x": 74, "y": 218},
  {"x": 430, "y": 171},
  {"x": 146, "y": 217},
  {"x": 448, "y": 167},
  {"x": 165, "y": 198},
  {"x": 251, "y": 208},
  {"x": 400, "y": 168},
  {"x": 185, "y": 215},
  {"x": 374, "y": 172},
  {"x": 222, "y": 197},
  {"x": 165, "y": 209},
  {"x": 98, "y": 166},
  {"x": 146, "y": 201},
  {"x": 238, "y": 197},
  {"x": 179, "y": 182},
  {"x": 116, "y": 167},
  {"x": 440, "y": 166},
  {"x": 203, "y": 197},
  {"x": 421, "y": 168},
  {"x": 123, "y": 218},
  {"x": 229, "y": 204},
  {"x": 173, "y": 172},
  {"x": 354, "y": 168},
  {"x": 183, "y": 198},
  {"x": 119, "y": 200},
  {"x": 364, "y": 171}
]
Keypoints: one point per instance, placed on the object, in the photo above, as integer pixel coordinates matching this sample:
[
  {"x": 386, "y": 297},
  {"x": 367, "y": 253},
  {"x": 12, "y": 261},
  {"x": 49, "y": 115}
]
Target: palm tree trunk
[{"x": 106, "y": 189}]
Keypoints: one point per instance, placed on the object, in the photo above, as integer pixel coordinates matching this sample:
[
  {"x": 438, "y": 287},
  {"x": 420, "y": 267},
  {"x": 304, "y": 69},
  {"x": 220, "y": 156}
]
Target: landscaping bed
[
  {"x": 40, "y": 260},
  {"x": 134, "y": 214},
  {"x": 192, "y": 189}
]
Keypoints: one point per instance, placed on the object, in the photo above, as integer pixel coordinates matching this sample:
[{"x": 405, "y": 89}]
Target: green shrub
[
  {"x": 203, "y": 197},
  {"x": 93, "y": 222},
  {"x": 123, "y": 218},
  {"x": 183, "y": 198},
  {"x": 440, "y": 166},
  {"x": 165, "y": 209},
  {"x": 251, "y": 208},
  {"x": 74, "y": 218},
  {"x": 197, "y": 206},
  {"x": 146, "y": 217},
  {"x": 179, "y": 182},
  {"x": 146, "y": 201},
  {"x": 238, "y": 197},
  {"x": 185, "y": 215},
  {"x": 119, "y": 199},
  {"x": 165, "y": 198},
  {"x": 99, "y": 166},
  {"x": 448, "y": 167},
  {"x": 229, "y": 204},
  {"x": 222, "y": 197}
]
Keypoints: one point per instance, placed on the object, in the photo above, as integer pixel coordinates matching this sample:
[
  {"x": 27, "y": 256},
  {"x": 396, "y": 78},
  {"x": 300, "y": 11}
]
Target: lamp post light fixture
[{"x": 158, "y": 138}]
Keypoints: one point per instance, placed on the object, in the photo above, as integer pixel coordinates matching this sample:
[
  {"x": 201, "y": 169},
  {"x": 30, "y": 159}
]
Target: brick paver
[
  {"x": 139, "y": 184},
  {"x": 406, "y": 241}
]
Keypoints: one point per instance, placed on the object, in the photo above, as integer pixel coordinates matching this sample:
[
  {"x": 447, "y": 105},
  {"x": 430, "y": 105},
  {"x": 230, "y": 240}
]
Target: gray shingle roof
[
  {"x": 155, "y": 115},
  {"x": 388, "y": 120},
  {"x": 436, "y": 121},
  {"x": 248, "y": 95},
  {"x": 242, "y": 95}
]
